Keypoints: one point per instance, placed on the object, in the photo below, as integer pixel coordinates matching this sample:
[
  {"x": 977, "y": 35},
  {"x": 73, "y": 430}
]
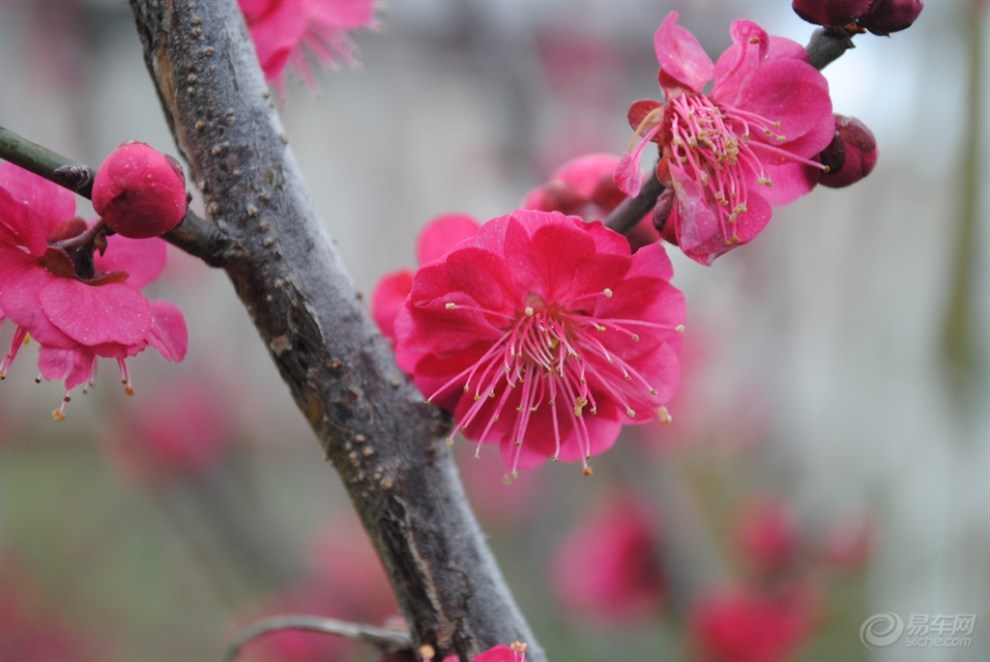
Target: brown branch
[{"x": 370, "y": 420}]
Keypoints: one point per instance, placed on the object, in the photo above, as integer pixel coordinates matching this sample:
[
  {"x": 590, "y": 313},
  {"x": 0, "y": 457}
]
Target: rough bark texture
[{"x": 370, "y": 420}]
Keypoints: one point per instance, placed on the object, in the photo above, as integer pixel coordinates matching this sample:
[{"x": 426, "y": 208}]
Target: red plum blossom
[
  {"x": 731, "y": 153},
  {"x": 76, "y": 303},
  {"x": 544, "y": 335}
]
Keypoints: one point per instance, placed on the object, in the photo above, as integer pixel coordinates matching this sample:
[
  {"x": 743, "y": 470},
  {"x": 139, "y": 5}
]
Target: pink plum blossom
[
  {"x": 76, "y": 303},
  {"x": 285, "y": 30},
  {"x": 733, "y": 152},
  {"x": 544, "y": 335},
  {"x": 608, "y": 568}
]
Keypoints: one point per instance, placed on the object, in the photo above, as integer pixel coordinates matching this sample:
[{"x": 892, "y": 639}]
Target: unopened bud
[
  {"x": 139, "y": 191},
  {"x": 886, "y": 16},
  {"x": 831, "y": 12},
  {"x": 851, "y": 154}
]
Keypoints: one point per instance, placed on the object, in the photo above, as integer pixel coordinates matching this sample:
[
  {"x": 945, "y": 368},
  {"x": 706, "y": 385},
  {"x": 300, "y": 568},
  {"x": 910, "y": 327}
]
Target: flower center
[
  {"x": 723, "y": 149},
  {"x": 558, "y": 358}
]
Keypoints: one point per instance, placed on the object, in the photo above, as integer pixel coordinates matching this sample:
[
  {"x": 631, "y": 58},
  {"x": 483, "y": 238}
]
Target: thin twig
[
  {"x": 388, "y": 639},
  {"x": 624, "y": 218},
  {"x": 826, "y": 45},
  {"x": 194, "y": 234}
]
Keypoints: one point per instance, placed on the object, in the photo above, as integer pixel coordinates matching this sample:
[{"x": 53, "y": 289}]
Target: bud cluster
[{"x": 881, "y": 17}]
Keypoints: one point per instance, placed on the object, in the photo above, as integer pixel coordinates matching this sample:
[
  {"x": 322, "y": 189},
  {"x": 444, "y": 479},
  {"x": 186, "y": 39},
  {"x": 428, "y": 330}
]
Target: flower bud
[
  {"x": 831, "y": 12},
  {"x": 851, "y": 154},
  {"x": 886, "y": 16},
  {"x": 139, "y": 191}
]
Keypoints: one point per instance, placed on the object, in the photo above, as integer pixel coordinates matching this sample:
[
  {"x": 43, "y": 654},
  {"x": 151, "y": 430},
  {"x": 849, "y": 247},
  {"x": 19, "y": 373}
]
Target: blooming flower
[
  {"x": 283, "y": 30},
  {"x": 608, "y": 568},
  {"x": 731, "y": 153},
  {"x": 543, "y": 334},
  {"x": 78, "y": 305}
]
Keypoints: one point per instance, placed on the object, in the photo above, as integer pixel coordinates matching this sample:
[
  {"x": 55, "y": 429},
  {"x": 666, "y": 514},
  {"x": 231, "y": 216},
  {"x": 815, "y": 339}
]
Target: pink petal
[
  {"x": 168, "y": 333},
  {"x": 340, "y": 13},
  {"x": 627, "y": 177},
  {"x": 142, "y": 259},
  {"x": 681, "y": 56},
  {"x": 51, "y": 202},
  {"x": 20, "y": 225},
  {"x": 275, "y": 36},
  {"x": 443, "y": 233},
  {"x": 584, "y": 173},
  {"x": 19, "y": 297},
  {"x": 112, "y": 313},
  {"x": 796, "y": 95},
  {"x": 74, "y": 366},
  {"x": 388, "y": 300}
]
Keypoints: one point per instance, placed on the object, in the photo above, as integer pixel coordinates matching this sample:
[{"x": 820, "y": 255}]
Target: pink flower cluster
[
  {"x": 540, "y": 332},
  {"x": 74, "y": 290},
  {"x": 733, "y": 152}
]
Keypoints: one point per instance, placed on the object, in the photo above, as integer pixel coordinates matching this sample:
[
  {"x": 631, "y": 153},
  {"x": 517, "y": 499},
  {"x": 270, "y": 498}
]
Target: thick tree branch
[{"x": 370, "y": 420}]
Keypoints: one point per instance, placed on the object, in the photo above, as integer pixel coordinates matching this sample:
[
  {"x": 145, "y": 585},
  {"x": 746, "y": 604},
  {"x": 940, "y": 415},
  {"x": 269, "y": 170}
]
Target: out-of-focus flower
[
  {"x": 284, "y": 31},
  {"x": 181, "y": 430},
  {"x": 77, "y": 304},
  {"x": 139, "y": 191},
  {"x": 544, "y": 335},
  {"x": 886, "y": 16},
  {"x": 851, "y": 155},
  {"x": 514, "y": 652},
  {"x": 769, "y": 534},
  {"x": 733, "y": 152},
  {"x": 584, "y": 187},
  {"x": 31, "y": 628},
  {"x": 848, "y": 545},
  {"x": 740, "y": 625},
  {"x": 608, "y": 568}
]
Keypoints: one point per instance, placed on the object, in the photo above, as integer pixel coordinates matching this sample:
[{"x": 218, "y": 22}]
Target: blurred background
[{"x": 829, "y": 460}]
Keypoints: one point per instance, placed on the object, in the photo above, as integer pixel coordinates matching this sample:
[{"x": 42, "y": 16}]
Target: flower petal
[
  {"x": 112, "y": 313},
  {"x": 388, "y": 300},
  {"x": 51, "y": 202},
  {"x": 681, "y": 57},
  {"x": 142, "y": 259},
  {"x": 443, "y": 233},
  {"x": 168, "y": 333}
]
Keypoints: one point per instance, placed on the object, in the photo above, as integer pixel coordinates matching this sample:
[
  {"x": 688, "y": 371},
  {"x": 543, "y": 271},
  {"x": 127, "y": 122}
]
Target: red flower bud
[
  {"x": 139, "y": 191},
  {"x": 886, "y": 16},
  {"x": 851, "y": 154},
  {"x": 831, "y": 12}
]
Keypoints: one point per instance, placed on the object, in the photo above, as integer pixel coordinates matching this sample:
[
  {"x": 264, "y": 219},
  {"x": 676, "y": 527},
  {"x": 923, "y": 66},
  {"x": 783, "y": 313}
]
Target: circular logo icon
[{"x": 881, "y": 630}]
